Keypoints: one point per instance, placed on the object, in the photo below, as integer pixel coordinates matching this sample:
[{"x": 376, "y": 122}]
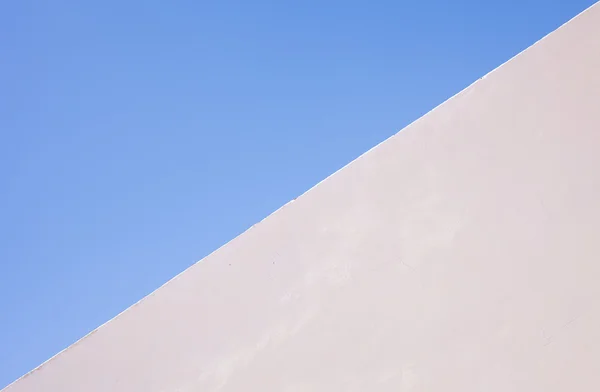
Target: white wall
[{"x": 463, "y": 254}]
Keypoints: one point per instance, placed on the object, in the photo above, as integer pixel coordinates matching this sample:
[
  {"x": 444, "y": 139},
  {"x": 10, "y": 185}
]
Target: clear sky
[{"x": 139, "y": 136}]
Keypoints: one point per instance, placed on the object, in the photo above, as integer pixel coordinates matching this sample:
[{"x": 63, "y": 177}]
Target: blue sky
[{"x": 139, "y": 136}]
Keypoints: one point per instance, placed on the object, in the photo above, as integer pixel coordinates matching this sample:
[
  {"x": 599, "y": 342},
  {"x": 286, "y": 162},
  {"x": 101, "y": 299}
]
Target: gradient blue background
[{"x": 138, "y": 136}]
